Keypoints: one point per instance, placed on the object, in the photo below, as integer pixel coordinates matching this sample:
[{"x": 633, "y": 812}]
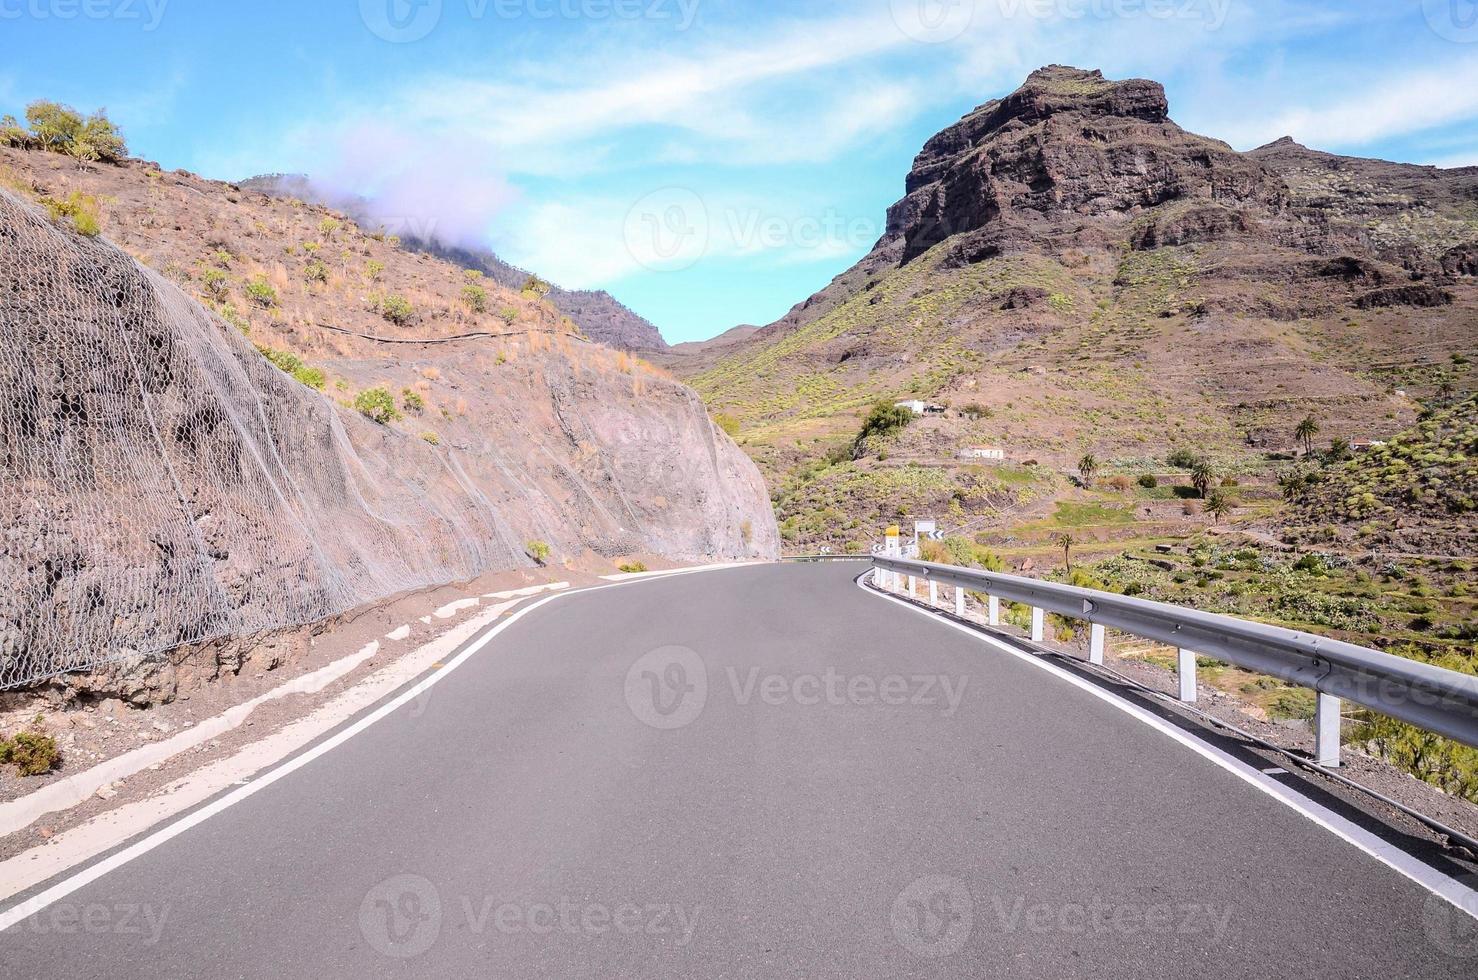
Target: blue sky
[{"x": 710, "y": 162}]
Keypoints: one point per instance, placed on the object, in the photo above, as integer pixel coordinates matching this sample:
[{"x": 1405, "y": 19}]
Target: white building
[
  {"x": 920, "y": 407},
  {"x": 984, "y": 452}
]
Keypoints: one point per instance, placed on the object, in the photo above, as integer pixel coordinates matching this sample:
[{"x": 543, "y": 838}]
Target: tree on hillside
[
  {"x": 1339, "y": 449},
  {"x": 1202, "y": 476},
  {"x": 1219, "y": 505},
  {"x": 62, "y": 129},
  {"x": 1087, "y": 466},
  {"x": 883, "y": 420},
  {"x": 1065, "y": 542},
  {"x": 1305, "y": 433},
  {"x": 1292, "y": 483}
]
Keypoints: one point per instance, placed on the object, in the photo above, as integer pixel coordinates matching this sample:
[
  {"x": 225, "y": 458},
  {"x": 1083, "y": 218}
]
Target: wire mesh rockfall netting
[{"x": 161, "y": 484}]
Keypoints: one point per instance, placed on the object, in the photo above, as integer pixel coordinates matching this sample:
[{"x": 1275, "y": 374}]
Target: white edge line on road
[
  {"x": 1434, "y": 881},
  {"x": 40, "y": 901}
]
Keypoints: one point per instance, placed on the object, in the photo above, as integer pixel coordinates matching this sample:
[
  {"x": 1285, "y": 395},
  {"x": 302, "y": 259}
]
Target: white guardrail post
[
  {"x": 933, "y": 593},
  {"x": 1444, "y": 702},
  {"x": 959, "y": 601},
  {"x": 1185, "y": 666},
  {"x": 1326, "y": 730}
]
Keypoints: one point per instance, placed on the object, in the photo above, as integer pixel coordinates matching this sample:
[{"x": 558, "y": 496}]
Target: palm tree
[
  {"x": 1087, "y": 466},
  {"x": 1065, "y": 542},
  {"x": 1202, "y": 476},
  {"x": 1338, "y": 449},
  {"x": 1292, "y": 483},
  {"x": 1305, "y": 433},
  {"x": 1219, "y": 505}
]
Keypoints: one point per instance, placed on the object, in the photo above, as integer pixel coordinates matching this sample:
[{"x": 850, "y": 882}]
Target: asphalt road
[{"x": 757, "y": 772}]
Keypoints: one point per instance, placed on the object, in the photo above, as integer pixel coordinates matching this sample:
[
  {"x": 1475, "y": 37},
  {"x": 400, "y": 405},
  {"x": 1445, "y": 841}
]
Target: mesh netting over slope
[{"x": 162, "y": 484}]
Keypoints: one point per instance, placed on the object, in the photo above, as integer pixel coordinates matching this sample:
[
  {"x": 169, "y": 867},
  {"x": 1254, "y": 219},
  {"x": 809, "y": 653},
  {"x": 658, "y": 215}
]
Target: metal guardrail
[
  {"x": 1432, "y": 698},
  {"x": 826, "y": 557}
]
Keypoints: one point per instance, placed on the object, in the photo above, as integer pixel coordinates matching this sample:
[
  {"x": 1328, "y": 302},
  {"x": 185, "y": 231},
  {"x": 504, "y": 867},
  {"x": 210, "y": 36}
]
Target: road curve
[{"x": 754, "y": 772}]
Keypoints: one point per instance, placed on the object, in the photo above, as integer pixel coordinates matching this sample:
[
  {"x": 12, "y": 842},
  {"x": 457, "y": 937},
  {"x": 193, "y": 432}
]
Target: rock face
[
  {"x": 1068, "y": 144},
  {"x": 1075, "y": 273},
  {"x": 162, "y": 483}
]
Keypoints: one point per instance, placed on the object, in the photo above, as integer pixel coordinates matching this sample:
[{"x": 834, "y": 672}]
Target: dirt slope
[{"x": 164, "y": 483}]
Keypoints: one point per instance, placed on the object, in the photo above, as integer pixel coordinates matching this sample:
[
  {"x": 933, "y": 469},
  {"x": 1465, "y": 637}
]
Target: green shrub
[
  {"x": 475, "y": 297},
  {"x": 539, "y": 551},
  {"x": 1182, "y": 459},
  {"x": 883, "y": 420},
  {"x": 372, "y": 270},
  {"x": 1148, "y": 481},
  {"x": 633, "y": 567},
  {"x": 33, "y": 752},
  {"x": 728, "y": 423},
  {"x": 62, "y": 129},
  {"x": 432, "y": 438},
  {"x": 215, "y": 282},
  {"x": 82, "y": 210},
  {"x": 397, "y": 310},
  {"x": 377, "y": 405},
  {"x": 412, "y": 401},
  {"x": 536, "y": 287},
  {"x": 508, "y": 314},
  {"x": 260, "y": 292},
  {"x": 316, "y": 271}
]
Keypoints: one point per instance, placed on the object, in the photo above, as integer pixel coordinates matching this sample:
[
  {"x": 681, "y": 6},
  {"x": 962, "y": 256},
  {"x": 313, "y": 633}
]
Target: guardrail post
[
  {"x": 933, "y": 593},
  {"x": 1095, "y": 644},
  {"x": 1185, "y": 665},
  {"x": 1326, "y": 730},
  {"x": 994, "y": 611},
  {"x": 913, "y": 586},
  {"x": 959, "y": 601},
  {"x": 1038, "y": 622}
]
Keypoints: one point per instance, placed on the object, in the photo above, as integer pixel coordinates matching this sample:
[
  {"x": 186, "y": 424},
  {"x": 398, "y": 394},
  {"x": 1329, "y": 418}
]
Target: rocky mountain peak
[{"x": 1066, "y": 147}]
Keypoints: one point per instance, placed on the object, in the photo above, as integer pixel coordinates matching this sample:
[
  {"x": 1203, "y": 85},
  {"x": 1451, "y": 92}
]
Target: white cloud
[{"x": 1379, "y": 108}]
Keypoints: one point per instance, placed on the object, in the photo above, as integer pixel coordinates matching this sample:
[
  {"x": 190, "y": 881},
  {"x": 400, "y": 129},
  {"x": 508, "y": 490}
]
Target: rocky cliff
[
  {"x": 167, "y": 481},
  {"x": 1072, "y": 272}
]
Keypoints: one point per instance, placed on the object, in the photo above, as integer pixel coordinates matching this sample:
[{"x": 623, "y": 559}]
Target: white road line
[
  {"x": 1434, "y": 881},
  {"x": 25, "y": 909}
]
